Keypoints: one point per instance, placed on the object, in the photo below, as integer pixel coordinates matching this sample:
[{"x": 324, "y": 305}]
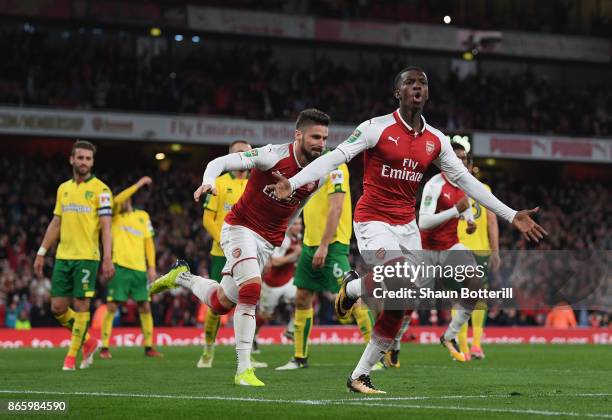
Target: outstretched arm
[
  {"x": 130, "y": 191},
  {"x": 263, "y": 158},
  {"x": 318, "y": 169},
  {"x": 452, "y": 167},
  {"x": 519, "y": 219},
  {"x": 364, "y": 137}
]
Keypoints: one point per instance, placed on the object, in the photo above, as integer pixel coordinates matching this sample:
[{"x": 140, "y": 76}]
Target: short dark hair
[
  {"x": 239, "y": 141},
  {"x": 311, "y": 116},
  {"x": 458, "y": 146},
  {"x": 398, "y": 76},
  {"x": 83, "y": 144},
  {"x": 455, "y": 145}
]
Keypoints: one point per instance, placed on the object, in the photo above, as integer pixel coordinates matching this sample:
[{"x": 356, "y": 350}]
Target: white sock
[
  {"x": 461, "y": 317},
  {"x": 376, "y": 348},
  {"x": 200, "y": 286},
  {"x": 353, "y": 289},
  {"x": 244, "y": 331},
  {"x": 398, "y": 338}
]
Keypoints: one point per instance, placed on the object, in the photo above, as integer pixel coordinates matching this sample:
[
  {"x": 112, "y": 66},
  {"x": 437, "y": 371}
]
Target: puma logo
[
  {"x": 252, "y": 316},
  {"x": 394, "y": 140},
  {"x": 447, "y": 195}
]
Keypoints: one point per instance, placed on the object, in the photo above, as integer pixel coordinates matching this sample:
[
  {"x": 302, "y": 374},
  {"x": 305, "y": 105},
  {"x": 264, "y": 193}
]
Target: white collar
[{"x": 408, "y": 125}]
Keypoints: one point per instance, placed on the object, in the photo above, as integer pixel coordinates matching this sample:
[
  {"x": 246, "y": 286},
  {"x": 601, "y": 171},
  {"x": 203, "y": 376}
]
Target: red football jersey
[
  {"x": 258, "y": 209},
  {"x": 439, "y": 194},
  {"x": 281, "y": 275},
  {"x": 395, "y": 160}
]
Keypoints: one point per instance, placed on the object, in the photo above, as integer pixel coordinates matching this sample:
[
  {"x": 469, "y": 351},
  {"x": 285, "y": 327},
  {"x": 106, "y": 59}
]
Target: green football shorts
[
  {"x": 74, "y": 278},
  {"x": 216, "y": 266},
  {"x": 327, "y": 278},
  {"x": 128, "y": 283}
]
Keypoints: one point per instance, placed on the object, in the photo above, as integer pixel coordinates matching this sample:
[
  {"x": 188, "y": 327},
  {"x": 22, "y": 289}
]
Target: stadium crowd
[
  {"x": 27, "y": 199},
  {"x": 78, "y": 69},
  {"x": 543, "y": 16}
]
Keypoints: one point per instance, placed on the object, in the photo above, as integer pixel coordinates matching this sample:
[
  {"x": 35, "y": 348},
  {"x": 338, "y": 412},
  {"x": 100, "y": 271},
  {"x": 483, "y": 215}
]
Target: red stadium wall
[{"x": 184, "y": 336}]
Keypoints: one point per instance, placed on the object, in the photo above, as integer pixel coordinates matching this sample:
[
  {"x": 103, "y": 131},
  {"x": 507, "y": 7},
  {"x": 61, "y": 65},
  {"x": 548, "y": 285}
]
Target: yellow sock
[
  {"x": 365, "y": 321},
  {"x": 67, "y": 319},
  {"x": 303, "y": 325},
  {"x": 107, "y": 328},
  {"x": 79, "y": 331},
  {"x": 478, "y": 320},
  {"x": 146, "y": 323},
  {"x": 211, "y": 327},
  {"x": 462, "y": 339}
]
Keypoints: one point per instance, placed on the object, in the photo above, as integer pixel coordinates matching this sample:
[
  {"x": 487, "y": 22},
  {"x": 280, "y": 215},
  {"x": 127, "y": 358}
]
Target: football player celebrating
[
  {"x": 256, "y": 224},
  {"x": 398, "y": 148}
]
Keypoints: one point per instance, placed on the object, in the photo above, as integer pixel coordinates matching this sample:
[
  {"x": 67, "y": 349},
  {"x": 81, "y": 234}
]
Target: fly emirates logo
[{"x": 407, "y": 172}]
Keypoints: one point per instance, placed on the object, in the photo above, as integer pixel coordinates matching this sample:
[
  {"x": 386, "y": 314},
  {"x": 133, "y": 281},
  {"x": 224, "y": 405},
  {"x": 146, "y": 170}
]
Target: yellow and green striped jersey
[
  {"x": 315, "y": 212},
  {"x": 229, "y": 189},
  {"x": 130, "y": 230},
  {"x": 80, "y": 206},
  {"x": 479, "y": 240}
]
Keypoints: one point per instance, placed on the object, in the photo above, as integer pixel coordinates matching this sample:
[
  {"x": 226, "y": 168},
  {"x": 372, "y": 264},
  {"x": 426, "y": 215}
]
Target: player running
[
  {"x": 134, "y": 258},
  {"x": 324, "y": 259},
  {"x": 82, "y": 214},
  {"x": 255, "y": 225},
  {"x": 229, "y": 187},
  {"x": 442, "y": 206},
  {"x": 398, "y": 149},
  {"x": 277, "y": 279},
  {"x": 484, "y": 243}
]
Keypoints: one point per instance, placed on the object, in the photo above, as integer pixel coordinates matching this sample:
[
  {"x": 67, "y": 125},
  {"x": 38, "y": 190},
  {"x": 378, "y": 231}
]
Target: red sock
[
  {"x": 389, "y": 323},
  {"x": 215, "y": 304}
]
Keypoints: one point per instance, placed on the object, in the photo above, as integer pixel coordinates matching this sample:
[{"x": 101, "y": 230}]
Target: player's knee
[
  {"x": 303, "y": 299},
  {"x": 249, "y": 293},
  {"x": 58, "y": 307},
  {"x": 144, "y": 307}
]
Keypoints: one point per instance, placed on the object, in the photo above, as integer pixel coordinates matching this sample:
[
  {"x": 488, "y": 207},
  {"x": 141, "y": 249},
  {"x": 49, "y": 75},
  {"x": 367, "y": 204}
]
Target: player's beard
[
  {"x": 310, "y": 155},
  {"x": 81, "y": 171}
]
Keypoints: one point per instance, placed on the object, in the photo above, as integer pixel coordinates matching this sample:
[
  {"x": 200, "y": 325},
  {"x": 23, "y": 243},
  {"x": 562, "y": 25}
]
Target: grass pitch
[{"x": 542, "y": 381}]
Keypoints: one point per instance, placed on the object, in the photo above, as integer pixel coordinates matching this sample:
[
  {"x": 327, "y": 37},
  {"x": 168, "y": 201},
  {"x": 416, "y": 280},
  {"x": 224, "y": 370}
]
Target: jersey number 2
[{"x": 86, "y": 274}]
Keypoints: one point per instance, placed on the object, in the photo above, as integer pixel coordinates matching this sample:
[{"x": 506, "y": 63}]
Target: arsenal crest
[
  {"x": 429, "y": 147},
  {"x": 310, "y": 186},
  {"x": 380, "y": 254},
  {"x": 236, "y": 252}
]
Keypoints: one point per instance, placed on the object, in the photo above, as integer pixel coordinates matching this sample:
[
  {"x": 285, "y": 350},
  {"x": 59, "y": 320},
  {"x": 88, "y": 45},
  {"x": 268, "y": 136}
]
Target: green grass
[{"x": 558, "y": 381}]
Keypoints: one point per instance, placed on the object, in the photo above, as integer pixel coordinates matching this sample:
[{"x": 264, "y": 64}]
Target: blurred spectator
[
  {"x": 23, "y": 322},
  {"x": 561, "y": 317}
]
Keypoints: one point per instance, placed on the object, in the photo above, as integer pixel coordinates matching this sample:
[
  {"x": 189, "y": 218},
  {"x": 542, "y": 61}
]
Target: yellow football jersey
[
  {"x": 315, "y": 212},
  {"x": 130, "y": 229},
  {"x": 229, "y": 189},
  {"x": 80, "y": 206},
  {"x": 479, "y": 240}
]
